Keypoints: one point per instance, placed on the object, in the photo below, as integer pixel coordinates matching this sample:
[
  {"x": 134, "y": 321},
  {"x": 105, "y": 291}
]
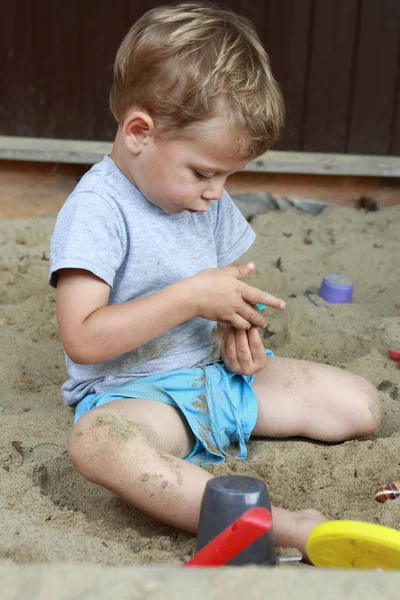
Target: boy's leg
[
  {"x": 301, "y": 398},
  {"x": 135, "y": 448}
]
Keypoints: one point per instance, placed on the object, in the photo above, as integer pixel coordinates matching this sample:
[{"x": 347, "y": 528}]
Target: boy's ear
[{"x": 137, "y": 131}]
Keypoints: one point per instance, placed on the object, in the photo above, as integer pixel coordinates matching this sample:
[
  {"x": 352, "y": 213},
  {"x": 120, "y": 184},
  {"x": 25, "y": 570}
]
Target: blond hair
[{"x": 179, "y": 62}]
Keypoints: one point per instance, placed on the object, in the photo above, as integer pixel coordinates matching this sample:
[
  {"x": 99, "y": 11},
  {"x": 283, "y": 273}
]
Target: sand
[{"x": 48, "y": 513}]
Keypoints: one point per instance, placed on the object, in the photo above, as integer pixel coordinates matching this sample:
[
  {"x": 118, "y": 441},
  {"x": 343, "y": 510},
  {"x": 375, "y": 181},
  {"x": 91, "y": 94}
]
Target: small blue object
[{"x": 261, "y": 306}]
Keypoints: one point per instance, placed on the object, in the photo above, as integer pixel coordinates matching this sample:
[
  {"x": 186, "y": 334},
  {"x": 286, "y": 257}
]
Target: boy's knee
[
  {"x": 98, "y": 440},
  {"x": 82, "y": 448},
  {"x": 370, "y": 416}
]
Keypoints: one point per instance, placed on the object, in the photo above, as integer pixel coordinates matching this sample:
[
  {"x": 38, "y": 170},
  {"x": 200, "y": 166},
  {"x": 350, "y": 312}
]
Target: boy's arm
[{"x": 92, "y": 331}]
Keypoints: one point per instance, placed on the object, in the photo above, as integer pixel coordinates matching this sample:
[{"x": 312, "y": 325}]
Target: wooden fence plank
[
  {"x": 329, "y": 79},
  {"x": 375, "y": 83},
  {"x": 17, "y": 91},
  {"x": 108, "y": 24},
  {"x": 395, "y": 141},
  {"x": 58, "y": 70},
  {"x": 287, "y": 41}
]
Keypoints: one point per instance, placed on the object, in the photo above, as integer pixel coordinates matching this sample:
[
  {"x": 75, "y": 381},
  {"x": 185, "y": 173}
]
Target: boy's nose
[{"x": 213, "y": 192}]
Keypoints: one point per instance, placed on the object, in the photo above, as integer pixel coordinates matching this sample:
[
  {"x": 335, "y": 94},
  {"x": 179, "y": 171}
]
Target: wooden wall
[{"x": 338, "y": 62}]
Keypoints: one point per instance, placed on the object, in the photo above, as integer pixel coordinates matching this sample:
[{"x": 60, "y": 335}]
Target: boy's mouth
[{"x": 202, "y": 210}]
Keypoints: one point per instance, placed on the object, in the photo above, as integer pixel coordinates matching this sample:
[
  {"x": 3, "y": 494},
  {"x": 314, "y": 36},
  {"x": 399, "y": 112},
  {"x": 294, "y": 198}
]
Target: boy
[{"x": 140, "y": 256}]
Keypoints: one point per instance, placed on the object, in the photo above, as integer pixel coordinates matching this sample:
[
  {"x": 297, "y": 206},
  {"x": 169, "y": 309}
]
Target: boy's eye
[{"x": 202, "y": 177}]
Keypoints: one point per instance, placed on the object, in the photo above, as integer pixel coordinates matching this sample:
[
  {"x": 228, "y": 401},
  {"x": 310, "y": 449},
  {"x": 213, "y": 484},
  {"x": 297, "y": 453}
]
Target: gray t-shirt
[{"x": 109, "y": 228}]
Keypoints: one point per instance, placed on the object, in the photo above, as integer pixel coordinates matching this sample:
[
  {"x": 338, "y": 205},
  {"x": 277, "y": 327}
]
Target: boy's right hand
[{"x": 220, "y": 295}]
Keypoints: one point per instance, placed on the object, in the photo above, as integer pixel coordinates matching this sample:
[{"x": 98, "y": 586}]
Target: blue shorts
[{"x": 219, "y": 406}]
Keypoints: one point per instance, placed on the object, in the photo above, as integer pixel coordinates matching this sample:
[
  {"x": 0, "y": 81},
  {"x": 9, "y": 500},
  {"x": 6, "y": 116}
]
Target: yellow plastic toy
[{"x": 354, "y": 545}]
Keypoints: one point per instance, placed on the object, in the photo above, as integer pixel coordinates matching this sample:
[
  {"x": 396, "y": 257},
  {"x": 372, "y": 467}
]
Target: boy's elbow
[
  {"x": 83, "y": 344},
  {"x": 79, "y": 359},
  {"x": 80, "y": 352},
  {"x": 78, "y": 355}
]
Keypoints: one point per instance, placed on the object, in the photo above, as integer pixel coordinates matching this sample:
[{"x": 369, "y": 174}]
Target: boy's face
[{"x": 188, "y": 173}]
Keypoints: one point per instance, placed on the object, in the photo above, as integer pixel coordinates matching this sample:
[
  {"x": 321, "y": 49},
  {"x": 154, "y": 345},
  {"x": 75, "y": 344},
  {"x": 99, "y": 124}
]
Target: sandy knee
[{"x": 99, "y": 438}]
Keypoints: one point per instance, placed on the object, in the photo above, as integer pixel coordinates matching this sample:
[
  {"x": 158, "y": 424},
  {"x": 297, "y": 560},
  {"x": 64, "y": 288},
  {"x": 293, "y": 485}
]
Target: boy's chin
[{"x": 170, "y": 211}]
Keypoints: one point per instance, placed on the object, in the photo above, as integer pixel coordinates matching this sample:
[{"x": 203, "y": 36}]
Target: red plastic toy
[{"x": 395, "y": 355}]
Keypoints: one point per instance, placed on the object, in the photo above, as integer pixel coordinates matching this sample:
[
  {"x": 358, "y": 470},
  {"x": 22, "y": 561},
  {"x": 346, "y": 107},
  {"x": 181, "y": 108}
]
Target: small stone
[
  {"x": 135, "y": 547},
  {"x": 268, "y": 333},
  {"x": 385, "y": 385},
  {"x": 368, "y": 204},
  {"x": 394, "y": 392},
  {"x": 20, "y": 238},
  {"x": 165, "y": 543}
]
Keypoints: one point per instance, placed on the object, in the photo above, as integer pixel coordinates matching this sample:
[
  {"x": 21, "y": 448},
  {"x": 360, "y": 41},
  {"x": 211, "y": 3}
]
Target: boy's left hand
[{"x": 243, "y": 351}]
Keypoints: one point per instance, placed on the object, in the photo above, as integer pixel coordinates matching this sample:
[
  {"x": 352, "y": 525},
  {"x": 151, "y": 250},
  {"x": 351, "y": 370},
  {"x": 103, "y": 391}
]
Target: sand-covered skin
[{"x": 49, "y": 513}]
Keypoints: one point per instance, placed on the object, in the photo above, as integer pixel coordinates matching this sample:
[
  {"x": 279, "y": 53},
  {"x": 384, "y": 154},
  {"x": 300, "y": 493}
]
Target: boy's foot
[
  {"x": 304, "y": 522},
  {"x": 291, "y": 529}
]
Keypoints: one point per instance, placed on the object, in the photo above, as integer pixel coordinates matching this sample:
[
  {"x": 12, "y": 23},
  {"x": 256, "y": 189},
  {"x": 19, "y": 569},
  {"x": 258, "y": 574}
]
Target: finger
[
  {"x": 257, "y": 350},
  {"x": 230, "y": 346},
  {"x": 274, "y": 302},
  {"x": 243, "y": 350},
  {"x": 240, "y": 271},
  {"x": 252, "y": 316},
  {"x": 238, "y": 322},
  {"x": 253, "y": 294},
  {"x": 255, "y": 344}
]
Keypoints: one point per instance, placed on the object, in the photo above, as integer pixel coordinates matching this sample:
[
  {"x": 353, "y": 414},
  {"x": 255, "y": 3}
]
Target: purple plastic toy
[{"x": 336, "y": 289}]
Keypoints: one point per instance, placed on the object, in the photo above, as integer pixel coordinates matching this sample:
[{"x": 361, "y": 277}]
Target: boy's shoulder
[
  {"x": 103, "y": 192},
  {"x": 102, "y": 179}
]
